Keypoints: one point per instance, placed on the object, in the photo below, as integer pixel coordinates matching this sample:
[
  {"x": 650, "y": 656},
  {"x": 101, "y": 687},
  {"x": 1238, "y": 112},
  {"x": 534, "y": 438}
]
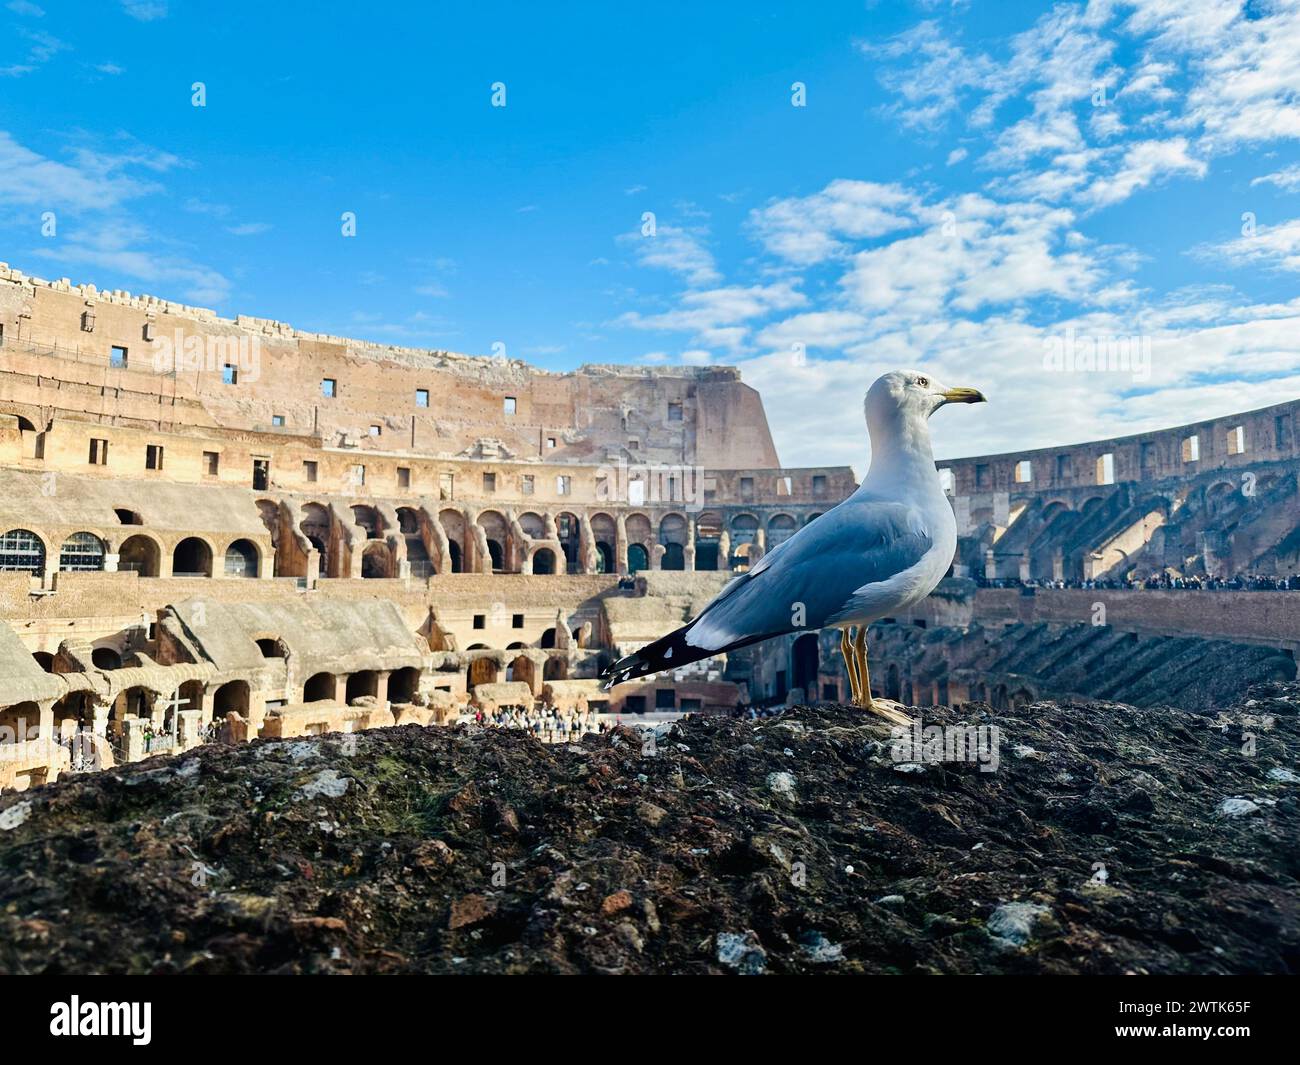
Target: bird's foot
[{"x": 893, "y": 712}]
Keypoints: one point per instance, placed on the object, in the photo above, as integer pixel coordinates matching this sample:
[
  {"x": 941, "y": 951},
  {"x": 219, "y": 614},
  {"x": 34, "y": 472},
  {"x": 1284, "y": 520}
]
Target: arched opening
[
  {"x": 672, "y": 535},
  {"x": 231, "y": 698},
  {"x": 482, "y": 670},
  {"x": 533, "y": 525},
  {"x": 544, "y": 561},
  {"x": 19, "y": 722},
  {"x": 567, "y": 530},
  {"x": 548, "y": 638},
  {"x": 132, "y": 702},
  {"x": 497, "y": 532},
  {"x": 744, "y": 541},
  {"x": 272, "y": 647},
  {"x": 605, "y": 532},
  {"x": 22, "y": 550},
  {"x": 522, "y": 669},
  {"x": 368, "y": 518},
  {"x": 417, "y": 554},
  {"x": 189, "y": 696},
  {"x": 192, "y": 558},
  {"x": 128, "y": 517},
  {"x": 139, "y": 554},
  {"x": 376, "y": 562},
  {"x": 708, "y": 537},
  {"x": 556, "y": 668},
  {"x": 315, "y": 525},
  {"x": 403, "y": 684},
  {"x": 640, "y": 534},
  {"x": 363, "y": 683},
  {"x": 105, "y": 658},
  {"x": 74, "y": 712},
  {"x": 453, "y": 527},
  {"x": 805, "y": 660},
  {"x": 45, "y": 660},
  {"x": 779, "y": 529},
  {"x": 319, "y": 688},
  {"x": 241, "y": 559},
  {"x": 82, "y": 552}
]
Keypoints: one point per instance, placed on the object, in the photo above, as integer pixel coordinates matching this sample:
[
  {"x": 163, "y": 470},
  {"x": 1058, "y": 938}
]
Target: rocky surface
[{"x": 1108, "y": 840}]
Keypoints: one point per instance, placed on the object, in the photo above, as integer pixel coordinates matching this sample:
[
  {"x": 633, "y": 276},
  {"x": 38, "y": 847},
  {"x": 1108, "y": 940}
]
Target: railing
[{"x": 89, "y": 358}]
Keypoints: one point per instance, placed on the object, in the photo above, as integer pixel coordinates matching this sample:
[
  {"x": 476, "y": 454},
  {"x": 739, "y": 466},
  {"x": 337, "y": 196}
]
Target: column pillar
[{"x": 620, "y": 544}]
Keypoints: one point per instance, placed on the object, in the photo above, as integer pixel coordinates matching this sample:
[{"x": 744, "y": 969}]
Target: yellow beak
[{"x": 964, "y": 395}]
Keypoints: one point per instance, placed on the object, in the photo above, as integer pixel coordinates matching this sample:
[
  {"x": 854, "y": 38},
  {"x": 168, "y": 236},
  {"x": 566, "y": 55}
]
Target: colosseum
[{"x": 229, "y": 528}]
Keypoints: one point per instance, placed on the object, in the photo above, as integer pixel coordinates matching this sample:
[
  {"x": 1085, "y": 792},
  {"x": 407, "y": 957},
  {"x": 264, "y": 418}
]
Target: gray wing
[{"x": 824, "y": 566}]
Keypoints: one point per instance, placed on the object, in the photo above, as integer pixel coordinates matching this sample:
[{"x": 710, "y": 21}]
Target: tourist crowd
[
  {"x": 1259, "y": 582},
  {"x": 548, "y": 724}
]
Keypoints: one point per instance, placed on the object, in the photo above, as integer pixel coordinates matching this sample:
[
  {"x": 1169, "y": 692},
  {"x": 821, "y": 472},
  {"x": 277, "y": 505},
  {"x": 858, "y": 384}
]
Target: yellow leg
[
  {"x": 860, "y": 658},
  {"x": 886, "y": 708},
  {"x": 850, "y": 665}
]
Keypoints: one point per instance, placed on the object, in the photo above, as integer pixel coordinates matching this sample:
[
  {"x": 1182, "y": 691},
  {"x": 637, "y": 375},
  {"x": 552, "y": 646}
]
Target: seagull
[{"x": 881, "y": 550}]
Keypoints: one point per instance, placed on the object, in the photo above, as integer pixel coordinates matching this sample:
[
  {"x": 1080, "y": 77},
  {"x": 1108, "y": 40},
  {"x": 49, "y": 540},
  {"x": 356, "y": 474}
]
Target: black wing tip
[{"x": 624, "y": 669}]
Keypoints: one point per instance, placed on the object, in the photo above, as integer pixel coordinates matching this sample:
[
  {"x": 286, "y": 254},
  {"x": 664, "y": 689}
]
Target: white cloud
[
  {"x": 1143, "y": 163},
  {"x": 145, "y": 10},
  {"x": 94, "y": 190},
  {"x": 1211, "y": 77},
  {"x": 956, "y": 156},
  {"x": 673, "y": 248},
  {"x": 92, "y": 182},
  {"x": 718, "y": 317},
  {"x": 1287, "y": 179},
  {"x": 1274, "y": 246},
  {"x": 126, "y": 249},
  {"x": 41, "y": 48},
  {"x": 1212, "y": 365},
  {"x": 809, "y": 229}
]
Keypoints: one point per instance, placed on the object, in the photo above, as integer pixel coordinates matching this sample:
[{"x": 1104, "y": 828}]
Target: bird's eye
[{"x": 924, "y": 382}]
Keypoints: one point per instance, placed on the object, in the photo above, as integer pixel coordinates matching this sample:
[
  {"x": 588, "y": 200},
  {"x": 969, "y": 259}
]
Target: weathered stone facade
[
  {"x": 228, "y": 528},
  {"x": 160, "y": 463}
]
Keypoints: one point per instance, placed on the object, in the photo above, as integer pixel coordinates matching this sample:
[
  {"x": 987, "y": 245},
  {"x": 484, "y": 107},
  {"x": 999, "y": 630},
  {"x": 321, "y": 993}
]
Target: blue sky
[{"x": 958, "y": 194}]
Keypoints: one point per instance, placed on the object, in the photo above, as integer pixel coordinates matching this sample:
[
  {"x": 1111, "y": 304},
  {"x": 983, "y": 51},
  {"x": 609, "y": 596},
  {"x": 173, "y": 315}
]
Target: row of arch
[{"x": 22, "y": 550}]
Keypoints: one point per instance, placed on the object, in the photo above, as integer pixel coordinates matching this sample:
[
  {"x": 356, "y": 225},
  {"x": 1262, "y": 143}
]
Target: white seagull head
[{"x": 913, "y": 394}]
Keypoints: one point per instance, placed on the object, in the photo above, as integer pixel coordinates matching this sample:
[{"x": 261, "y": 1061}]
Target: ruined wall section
[
  {"x": 385, "y": 397},
  {"x": 1234, "y": 442}
]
